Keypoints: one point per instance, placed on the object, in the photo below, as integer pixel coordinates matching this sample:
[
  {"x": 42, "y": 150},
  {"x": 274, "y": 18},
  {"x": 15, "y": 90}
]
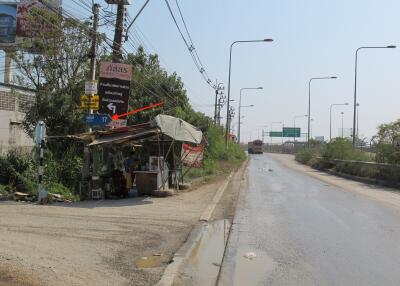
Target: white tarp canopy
[{"x": 178, "y": 129}]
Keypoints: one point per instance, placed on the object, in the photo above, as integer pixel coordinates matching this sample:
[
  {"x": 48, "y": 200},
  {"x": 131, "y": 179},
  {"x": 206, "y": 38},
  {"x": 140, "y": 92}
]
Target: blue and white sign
[{"x": 96, "y": 119}]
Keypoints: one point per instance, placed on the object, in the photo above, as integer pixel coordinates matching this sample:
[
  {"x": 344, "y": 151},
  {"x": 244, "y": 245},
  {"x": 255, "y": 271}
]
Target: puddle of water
[
  {"x": 252, "y": 271},
  {"x": 206, "y": 256},
  {"x": 149, "y": 262}
]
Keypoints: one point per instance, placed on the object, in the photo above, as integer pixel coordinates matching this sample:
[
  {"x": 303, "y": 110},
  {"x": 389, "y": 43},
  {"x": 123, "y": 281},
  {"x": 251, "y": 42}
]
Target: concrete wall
[{"x": 13, "y": 104}]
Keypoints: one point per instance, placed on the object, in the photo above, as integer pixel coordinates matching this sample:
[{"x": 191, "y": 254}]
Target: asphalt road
[{"x": 293, "y": 229}]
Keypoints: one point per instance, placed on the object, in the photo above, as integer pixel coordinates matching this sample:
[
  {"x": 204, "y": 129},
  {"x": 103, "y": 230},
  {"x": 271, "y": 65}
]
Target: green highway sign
[
  {"x": 291, "y": 132},
  {"x": 275, "y": 134}
]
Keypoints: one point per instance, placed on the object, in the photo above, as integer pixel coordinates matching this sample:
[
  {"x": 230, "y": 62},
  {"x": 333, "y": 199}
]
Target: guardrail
[{"x": 372, "y": 172}]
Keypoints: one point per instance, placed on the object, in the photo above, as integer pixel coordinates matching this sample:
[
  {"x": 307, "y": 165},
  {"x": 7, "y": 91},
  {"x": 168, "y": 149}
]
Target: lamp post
[
  {"x": 342, "y": 122},
  {"x": 240, "y": 105},
  {"x": 330, "y": 118},
  {"x": 309, "y": 103},
  {"x": 358, "y": 106},
  {"x": 294, "y": 126},
  {"x": 229, "y": 82},
  {"x": 311, "y": 121},
  {"x": 355, "y": 86}
]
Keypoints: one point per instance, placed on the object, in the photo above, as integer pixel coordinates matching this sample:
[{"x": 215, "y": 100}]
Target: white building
[{"x": 14, "y": 102}]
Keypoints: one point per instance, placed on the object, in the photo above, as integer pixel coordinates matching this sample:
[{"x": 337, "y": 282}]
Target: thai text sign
[
  {"x": 114, "y": 87},
  {"x": 90, "y": 101},
  {"x": 192, "y": 156}
]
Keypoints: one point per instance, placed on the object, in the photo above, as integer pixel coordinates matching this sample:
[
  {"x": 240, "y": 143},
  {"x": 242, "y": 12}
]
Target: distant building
[{"x": 14, "y": 102}]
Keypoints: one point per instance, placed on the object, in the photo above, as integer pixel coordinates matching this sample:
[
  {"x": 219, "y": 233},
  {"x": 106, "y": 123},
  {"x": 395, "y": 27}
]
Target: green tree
[{"x": 387, "y": 139}]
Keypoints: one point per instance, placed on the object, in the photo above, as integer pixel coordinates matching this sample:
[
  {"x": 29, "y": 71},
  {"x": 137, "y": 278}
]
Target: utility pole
[
  {"x": 221, "y": 102},
  {"x": 91, "y": 78},
  {"x": 119, "y": 29},
  {"x": 218, "y": 91},
  {"x": 93, "y": 51}
]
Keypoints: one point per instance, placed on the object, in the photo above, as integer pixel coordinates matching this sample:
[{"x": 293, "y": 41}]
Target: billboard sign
[
  {"x": 192, "y": 156},
  {"x": 275, "y": 134},
  {"x": 90, "y": 102},
  {"x": 37, "y": 20},
  {"x": 91, "y": 87},
  {"x": 8, "y": 24},
  {"x": 114, "y": 87},
  {"x": 96, "y": 119},
  {"x": 291, "y": 132}
]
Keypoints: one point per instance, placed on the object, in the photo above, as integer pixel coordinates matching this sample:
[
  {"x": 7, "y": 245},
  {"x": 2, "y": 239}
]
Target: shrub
[
  {"x": 60, "y": 189},
  {"x": 305, "y": 155},
  {"x": 343, "y": 149}
]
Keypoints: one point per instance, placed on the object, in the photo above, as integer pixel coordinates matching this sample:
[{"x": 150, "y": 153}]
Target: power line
[{"x": 190, "y": 46}]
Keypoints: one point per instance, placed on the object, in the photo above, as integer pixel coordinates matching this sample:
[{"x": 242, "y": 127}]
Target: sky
[{"x": 312, "y": 38}]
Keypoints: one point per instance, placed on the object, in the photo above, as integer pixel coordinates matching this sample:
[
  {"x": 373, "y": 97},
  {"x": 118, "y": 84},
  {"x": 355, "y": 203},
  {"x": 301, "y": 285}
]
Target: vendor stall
[{"x": 145, "y": 157}]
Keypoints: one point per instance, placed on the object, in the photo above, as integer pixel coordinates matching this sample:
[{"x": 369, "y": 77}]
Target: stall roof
[
  {"x": 178, "y": 129},
  {"x": 175, "y": 128}
]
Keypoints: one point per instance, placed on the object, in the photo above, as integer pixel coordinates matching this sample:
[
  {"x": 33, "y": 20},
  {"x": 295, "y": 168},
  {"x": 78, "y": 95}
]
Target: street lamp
[
  {"x": 355, "y": 87},
  {"x": 330, "y": 118},
  {"x": 309, "y": 103},
  {"x": 240, "y": 105},
  {"x": 229, "y": 82},
  {"x": 342, "y": 122},
  {"x": 294, "y": 126},
  {"x": 358, "y": 105}
]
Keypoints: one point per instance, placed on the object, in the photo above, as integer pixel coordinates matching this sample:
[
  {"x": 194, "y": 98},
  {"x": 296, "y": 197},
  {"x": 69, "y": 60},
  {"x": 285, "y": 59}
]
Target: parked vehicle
[{"x": 255, "y": 147}]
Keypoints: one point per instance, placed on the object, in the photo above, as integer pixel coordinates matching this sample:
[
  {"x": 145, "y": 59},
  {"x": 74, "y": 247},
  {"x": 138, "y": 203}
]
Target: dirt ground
[{"x": 100, "y": 243}]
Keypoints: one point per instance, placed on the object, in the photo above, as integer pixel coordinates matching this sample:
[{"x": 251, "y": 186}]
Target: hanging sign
[
  {"x": 192, "y": 156},
  {"x": 114, "y": 87},
  {"x": 91, "y": 87}
]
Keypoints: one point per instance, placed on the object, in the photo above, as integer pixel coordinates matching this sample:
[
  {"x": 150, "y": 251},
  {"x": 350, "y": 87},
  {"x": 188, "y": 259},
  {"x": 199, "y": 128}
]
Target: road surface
[{"x": 294, "y": 229}]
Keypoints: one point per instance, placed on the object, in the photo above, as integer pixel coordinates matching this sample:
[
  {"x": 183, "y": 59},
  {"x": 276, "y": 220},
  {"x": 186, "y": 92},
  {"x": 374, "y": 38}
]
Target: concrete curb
[
  {"x": 210, "y": 208},
  {"x": 172, "y": 270}
]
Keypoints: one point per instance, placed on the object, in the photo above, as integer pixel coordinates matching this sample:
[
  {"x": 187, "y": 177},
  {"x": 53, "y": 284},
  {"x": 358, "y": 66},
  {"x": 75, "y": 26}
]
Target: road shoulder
[{"x": 388, "y": 196}]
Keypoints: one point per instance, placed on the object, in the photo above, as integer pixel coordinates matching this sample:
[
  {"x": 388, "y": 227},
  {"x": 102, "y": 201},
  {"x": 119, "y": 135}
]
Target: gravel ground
[{"x": 97, "y": 243}]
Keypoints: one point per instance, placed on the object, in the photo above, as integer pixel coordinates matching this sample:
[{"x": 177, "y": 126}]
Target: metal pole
[
  {"x": 309, "y": 111},
  {"x": 358, "y": 107},
  {"x": 240, "y": 108},
  {"x": 342, "y": 124},
  {"x": 355, "y": 98},
  {"x": 330, "y": 123},
  {"x": 229, "y": 97},
  {"x": 229, "y": 84},
  {"x": 216, "y": 102},
  {"x": 309, "y": 104},
  {"x": 355, "y": 87}
]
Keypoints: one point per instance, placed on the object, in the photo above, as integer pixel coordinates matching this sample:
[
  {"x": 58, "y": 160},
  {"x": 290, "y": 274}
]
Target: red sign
[
  {"x": 116, "y": 70},
  {"x": 192, "y": 156}
]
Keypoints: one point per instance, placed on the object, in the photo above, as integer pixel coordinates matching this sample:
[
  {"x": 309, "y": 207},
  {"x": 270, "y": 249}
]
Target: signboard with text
[
  {"x": 91, "y": 87},
  {"x": 291, "y": 132},
  {"x": 96, "y": 119},
  {"x": 192, "y": 156},
  {"x": 90, "y": 101},
  {"x": 275, "y": 134},
  {"x": 114, "y": 87},
  {"x": 8, "y": 15}
]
